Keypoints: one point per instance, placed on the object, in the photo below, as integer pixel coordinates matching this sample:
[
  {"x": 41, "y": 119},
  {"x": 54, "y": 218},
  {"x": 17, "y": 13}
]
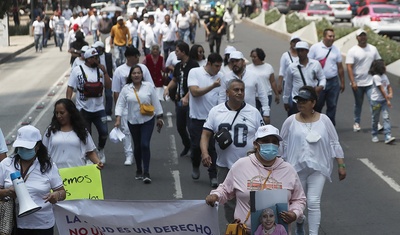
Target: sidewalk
[{"x": 18, "y": 44}]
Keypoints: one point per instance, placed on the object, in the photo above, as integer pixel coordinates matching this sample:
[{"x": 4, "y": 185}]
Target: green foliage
[
  {"x": 254, "y": 15},
  {"x": 294, "y": 23},
  {"x": 272, "y": 16},
  {"x": 19, "y": 30},
  {"x": 388, "y": 49},
  {"x": 339, "y": 31}
]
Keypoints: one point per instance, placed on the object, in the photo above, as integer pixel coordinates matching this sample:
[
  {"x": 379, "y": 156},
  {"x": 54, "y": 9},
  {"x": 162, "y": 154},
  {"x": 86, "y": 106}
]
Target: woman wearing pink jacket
[{"x": 249, "y": 173}]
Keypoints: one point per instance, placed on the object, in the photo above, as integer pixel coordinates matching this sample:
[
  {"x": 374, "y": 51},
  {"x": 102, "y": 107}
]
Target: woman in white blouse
[
  {"x": 67, "y": 139},
  {"x": 310, "y": 143},
  {"x": 133, "y": 94}
]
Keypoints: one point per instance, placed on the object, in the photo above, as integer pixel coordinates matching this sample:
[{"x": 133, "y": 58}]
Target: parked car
[
  {"x": 135, "y": 6},
  {"x": 353, "y": 6},
  {"x": 362, "y": 3},
  {"x": 381, "y": 18},
  {"x": 317, "y": 11},
  {"x": 204, "y": 8},
  {"x": 281, "y": 5},
  {"x": 341, "y": 9},
  {"x": 297, "y": 5},
  {"x": 98, "y": 4}
]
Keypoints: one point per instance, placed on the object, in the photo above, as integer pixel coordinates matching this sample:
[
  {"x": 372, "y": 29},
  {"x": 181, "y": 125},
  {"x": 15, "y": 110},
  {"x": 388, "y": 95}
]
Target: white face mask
[{"x": 104, "y": 16}]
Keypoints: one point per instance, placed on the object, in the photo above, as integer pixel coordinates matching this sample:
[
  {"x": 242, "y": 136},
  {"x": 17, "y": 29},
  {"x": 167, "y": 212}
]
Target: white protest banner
[{"x": 98, "y": 217}]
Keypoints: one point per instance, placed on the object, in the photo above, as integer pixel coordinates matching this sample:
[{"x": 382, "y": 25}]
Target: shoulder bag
[
  {"x": 92, "y": 89},
  {"x": 223, "y": 137},
  {"x": 145, "y": 109},
  {"x": 323, "y": 61}
]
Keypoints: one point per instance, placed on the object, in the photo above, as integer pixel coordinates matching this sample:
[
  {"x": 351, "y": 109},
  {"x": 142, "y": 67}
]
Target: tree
[{"x": 5, "y": 7}]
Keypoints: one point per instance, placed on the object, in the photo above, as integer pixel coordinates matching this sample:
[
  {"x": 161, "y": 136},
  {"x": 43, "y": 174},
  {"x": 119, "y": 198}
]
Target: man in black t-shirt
[
  {"x": 178, "y": 90},
  {"x": 214, "y": 26}
]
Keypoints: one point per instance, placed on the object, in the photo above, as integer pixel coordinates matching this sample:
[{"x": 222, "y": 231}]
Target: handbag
[
  {"x": 145, "y": 109},
  {"x": 7, "y": 217},
  {"x": 92, "y": 89},
  {"x": 223, "y": 137},
  {"x": 322, "y": 62}
]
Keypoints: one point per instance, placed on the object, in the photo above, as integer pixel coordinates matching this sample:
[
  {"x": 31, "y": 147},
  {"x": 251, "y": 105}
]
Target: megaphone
[{"x": 26, "y": 204}]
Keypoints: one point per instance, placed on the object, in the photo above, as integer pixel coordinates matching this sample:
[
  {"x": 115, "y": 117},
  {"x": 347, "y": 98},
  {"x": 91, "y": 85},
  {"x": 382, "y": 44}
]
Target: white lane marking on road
[
  {"x": 173, "y": 150},
  {"x": 380, "y": 173},
  {"x": 178, "y": 190},
  {"x": 169, "y": 120},
  {"x": 45, "y": 100}
]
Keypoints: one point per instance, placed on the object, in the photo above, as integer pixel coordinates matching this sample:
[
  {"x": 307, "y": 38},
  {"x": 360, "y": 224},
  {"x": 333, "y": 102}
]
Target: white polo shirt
[
  {"x": 201, "y": 105},
  {"x": 286, "y": 60},
  {"x": 168, "y": 32},
  {"x": 39, "y": 185},
  {"x": 263, "y": 72},
  {"x": 319, "y": 51}
]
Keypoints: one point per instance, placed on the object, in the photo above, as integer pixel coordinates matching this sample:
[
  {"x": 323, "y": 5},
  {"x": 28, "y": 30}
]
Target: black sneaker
[
  {"x": 146, "y": 178},
  {"x": 139, "y": 175}
]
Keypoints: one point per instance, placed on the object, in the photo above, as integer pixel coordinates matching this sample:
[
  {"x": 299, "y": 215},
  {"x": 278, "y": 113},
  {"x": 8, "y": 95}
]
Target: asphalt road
[{"x": 367, "y": 202}]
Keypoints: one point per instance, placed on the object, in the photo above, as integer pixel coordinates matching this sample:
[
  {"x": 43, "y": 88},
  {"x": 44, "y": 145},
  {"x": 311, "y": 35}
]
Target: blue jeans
[
  {"x": 95, "y": 37},
  {"x": 60, "y": 40},
  {"x": 119, "y": 54},
  {"x": 195, "y": 130},
  {"x": 168, "y": 47},
  {"x": 141, "y": 135},
  {"x": 359, "y": 99},
  {"x": 184, "y": 35},
  {"x": 182, "y": 123},
  {"x": 379, "y": 107},
  {"x": 193, "y": 29},
  {"x": 38, "y": 41},
  {"x": 46, "y": 37},
  {"x": 330, "y": 95},
  {"x": 100, "y": 121},
  {"x": 109, "y": 101},
  {"x": 135, "y": 41}
]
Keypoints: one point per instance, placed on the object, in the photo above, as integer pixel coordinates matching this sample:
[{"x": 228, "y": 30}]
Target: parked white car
[
  {"x": 135, "y": 6},
  {"x": 315, "y": 11},
  {"x": 341, "y": 9},
  {"x": 381, "y": 18}
]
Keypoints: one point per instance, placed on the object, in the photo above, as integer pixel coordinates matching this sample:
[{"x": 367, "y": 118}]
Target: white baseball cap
[
  {"x": 268, "y": 130},
  {"x": 98, "y": 44},
  {"x": 90, "y": 53},
  {"x": 302, "y": 45},
  {"x": 146, "y": 15},
  {"x": 295, "y": 37},
  {"x": 120, "y": 18},
  {"x": 27, "y": 137},
  {"x": 360, "y": 31},
  {"x": 84, "y": 49},
  {"x": 237, "y": 55},
  {"x": 229, "y": 49}
]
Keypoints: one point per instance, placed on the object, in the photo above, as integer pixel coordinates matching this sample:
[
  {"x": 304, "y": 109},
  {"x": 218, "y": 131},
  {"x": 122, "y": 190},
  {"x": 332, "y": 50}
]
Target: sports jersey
[{"x": 242, "y": 131}]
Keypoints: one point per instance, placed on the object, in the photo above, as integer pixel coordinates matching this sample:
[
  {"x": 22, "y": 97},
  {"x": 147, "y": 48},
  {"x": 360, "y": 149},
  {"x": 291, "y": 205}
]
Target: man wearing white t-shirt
[
  {"x": 330, "y": 59},
  {"x": 358, "y": 60},
  {"x": 133, "y": 25},
  {"x": 242, "y": 121},
  {"x": 183, "y": 23},
  {"x": 160, "y": 14},
  {"x": 132, "y": 56},
  {"x": 168, "y": 36},
  {"x": 253, "y": 85},
  {"x": 265, "y": 74},
  {"x": 150, "y": 35},
  {"x": 94, "y": 25},
  {"x": 204, "y": 85},
  {"x": 91, "y": 107},
  {"x": 38, "y": 28}
]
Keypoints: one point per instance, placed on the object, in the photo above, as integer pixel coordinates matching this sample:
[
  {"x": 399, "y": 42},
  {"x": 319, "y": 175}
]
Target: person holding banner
[
  {"x": 262, "y": 169},
  {"x": 134, "y": 96},
  {"x": 41, "y": 177},
  {"x": 67, "y": 139}
]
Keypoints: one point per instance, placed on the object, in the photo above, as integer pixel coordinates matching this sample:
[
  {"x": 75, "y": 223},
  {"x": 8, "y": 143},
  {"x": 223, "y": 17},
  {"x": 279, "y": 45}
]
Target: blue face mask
[
  {"x": 26, "y": 154},
  {"x": 268, "y": 151}
]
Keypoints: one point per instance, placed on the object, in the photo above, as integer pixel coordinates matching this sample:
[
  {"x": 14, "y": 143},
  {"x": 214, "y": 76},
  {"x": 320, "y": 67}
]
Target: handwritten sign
[{"x": 83, "y": 182}]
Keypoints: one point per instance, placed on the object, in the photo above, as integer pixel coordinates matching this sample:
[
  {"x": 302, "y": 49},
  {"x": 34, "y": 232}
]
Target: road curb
[{"x": 14, "y": 54}]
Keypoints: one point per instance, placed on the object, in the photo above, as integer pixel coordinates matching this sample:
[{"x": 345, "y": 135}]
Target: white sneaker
[
  {"x": 375, "y": 139},
  {"x": 380, "y": 127},
  {"x": 389, "y": 139},
  {"x": 356, "y": 127},
  {"x": 102, "y": 156},
  {"x": 128, "y": 161},
  {"x": 109, "y": 118}
]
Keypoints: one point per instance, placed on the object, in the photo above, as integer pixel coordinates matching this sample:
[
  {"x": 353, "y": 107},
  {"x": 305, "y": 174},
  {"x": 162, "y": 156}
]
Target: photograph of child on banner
[{"x": 268, "y": 224}]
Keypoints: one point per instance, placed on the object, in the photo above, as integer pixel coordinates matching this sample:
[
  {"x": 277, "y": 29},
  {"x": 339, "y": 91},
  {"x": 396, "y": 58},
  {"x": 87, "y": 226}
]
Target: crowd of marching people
[{"x": 222, "y": 105}]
